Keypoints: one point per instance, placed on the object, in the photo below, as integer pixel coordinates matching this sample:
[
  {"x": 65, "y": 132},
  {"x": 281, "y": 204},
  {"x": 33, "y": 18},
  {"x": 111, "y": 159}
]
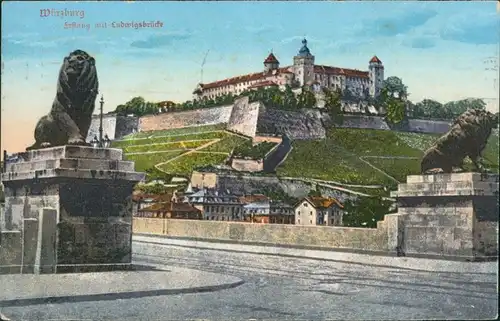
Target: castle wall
[
  {"x": 303, "y": 124},
  {"x": 244, "y": 117},
  {"x": 108, "y": 127},
  {"x": 428, "y": 126},
  {"x": 126, "y": 125},
  {"x": 196, "y": 117}
]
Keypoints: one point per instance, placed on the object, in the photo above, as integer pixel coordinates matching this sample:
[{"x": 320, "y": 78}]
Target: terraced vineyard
[
  {"x": 366, "y": 156},
  {"x": 179, "y": 151},
  {"x": 347, "y": 155}
]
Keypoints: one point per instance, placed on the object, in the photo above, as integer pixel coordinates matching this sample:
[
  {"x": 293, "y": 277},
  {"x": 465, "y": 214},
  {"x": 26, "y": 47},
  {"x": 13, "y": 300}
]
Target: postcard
[{"x": 178, "y": 160}]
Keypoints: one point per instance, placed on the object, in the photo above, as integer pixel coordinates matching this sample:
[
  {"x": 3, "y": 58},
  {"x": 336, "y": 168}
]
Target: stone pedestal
[
  {"x": 72, "y": 206},
  {"x": 447, "y": 215}
]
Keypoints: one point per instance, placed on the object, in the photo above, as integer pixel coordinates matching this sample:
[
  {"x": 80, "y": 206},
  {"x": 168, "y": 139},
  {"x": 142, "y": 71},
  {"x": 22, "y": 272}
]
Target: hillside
[
  {"x": 366, "y": 156},
  {"x": 178, "y": 151},
  {"x": 346, "y": 155}
]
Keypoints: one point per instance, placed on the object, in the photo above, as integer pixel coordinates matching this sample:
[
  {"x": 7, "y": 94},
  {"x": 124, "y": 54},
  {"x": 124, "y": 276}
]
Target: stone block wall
[
  {"x": 247, "y": 165},
  {"x": 317, "y": 236},
  {"x": 108, "y": 127},
  {"x": 196, "y": 117},
  {"x": 428, "y": 126},
  {"x": 303, "y": 124},
  {"x": 244, "y": 117}
]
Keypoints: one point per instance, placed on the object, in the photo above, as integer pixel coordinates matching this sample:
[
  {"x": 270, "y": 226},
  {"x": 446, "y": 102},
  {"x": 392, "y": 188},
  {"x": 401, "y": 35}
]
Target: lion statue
[
  {"x": 467, "y": 136},
  {"x": 69, "y": 119}
]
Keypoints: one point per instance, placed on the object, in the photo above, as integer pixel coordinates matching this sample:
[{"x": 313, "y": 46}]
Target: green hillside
[
  {"x": 366, "y": 156},
  {"x": 347, "y": 155},
  {"x": 179, "y": 151}
]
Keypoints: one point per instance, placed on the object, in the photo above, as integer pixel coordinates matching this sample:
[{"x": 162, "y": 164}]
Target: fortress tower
[
  {"x": 271, "y": 63},
  {"x": 303, "y": 65},
  {"x": 376, "y": 74}
]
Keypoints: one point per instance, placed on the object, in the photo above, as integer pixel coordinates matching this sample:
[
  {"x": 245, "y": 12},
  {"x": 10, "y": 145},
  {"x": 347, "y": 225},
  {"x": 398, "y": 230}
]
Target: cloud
[
  {"x": 396, "y": 24},
  {"x": 298, "y": 39},
  {"x": 263, "y": 30},
  {"x": 420, "y": 42},
  {"x": 476, "y": 30},
  {"x": 158, "y": 41}
]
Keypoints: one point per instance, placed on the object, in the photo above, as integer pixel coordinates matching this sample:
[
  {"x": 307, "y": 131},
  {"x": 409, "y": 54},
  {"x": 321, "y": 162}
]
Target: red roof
[
  {"x": 375, "y": 60},
  {"x": 255, "y": 198},
  {"x": 264, "y": 83},
  {"x": 340, "y": 71},
  {"x": 271, "y": 59},
  {"x": 170, "y": 207},
  {"x": 244, "y": 78}
]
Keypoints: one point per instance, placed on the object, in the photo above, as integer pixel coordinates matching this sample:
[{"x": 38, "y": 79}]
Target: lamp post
[{"x": 100, "y": 121}]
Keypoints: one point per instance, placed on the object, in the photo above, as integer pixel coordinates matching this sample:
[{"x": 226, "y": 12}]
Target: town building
[
  {"x": 281, "y": 213},
  {"x": 303, "y": 72},
  {"x": 171, "y": 210},
  {"x": 216, "y": 205},
  {"x": 142, "y": 200},
  {"x": 319, "y": 211},
  {"x": 256, "y": 208}
]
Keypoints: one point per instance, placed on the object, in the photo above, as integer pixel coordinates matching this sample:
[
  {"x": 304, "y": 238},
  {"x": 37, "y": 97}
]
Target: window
[
  {"x": 310, "y": 221},
  {"x": 311, "y": 213},
  {"x": 298, "y": 221},
  {"x": 298, "y": 212},
  {"x": 305, "y": 205},
  {"x": 332, "y": 221}
]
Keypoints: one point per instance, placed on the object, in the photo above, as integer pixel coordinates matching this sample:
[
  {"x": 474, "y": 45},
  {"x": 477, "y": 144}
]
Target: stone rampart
[{"x": 196, "y": 117}]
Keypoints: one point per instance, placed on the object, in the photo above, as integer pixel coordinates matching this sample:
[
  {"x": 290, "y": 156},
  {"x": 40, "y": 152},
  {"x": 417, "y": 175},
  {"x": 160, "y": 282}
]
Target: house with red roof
[{"x": 317, "y": 210}]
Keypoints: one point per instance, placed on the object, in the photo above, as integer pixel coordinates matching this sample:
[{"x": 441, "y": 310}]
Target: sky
[{"x": 441, "y": 50}]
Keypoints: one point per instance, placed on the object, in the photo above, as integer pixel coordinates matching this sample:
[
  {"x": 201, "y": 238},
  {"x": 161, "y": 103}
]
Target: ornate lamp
[
  {"x": 95, "y": 142},
  {"x": 106, "y": 142}
]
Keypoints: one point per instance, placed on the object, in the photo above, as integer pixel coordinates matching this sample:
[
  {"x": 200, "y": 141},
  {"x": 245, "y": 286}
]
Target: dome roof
[{"x": 304, "y": 51}]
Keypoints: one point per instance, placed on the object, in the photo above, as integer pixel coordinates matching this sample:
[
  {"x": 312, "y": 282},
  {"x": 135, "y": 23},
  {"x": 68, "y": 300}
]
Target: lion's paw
[{"x": 76, "y": 141}]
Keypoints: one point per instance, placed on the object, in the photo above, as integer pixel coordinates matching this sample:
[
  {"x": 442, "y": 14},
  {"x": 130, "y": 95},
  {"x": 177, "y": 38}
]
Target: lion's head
[{"x": 78, "y": 73}]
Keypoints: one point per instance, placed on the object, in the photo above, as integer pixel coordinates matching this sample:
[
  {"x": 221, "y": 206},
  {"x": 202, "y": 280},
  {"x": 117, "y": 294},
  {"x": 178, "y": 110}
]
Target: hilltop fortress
[
  {"x": 252, "y": 119},
  {"x": 303, "y": 72}
]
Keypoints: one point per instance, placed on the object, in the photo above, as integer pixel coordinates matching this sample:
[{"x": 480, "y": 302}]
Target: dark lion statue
[
  {"x": 467, "y": 137},
  {"x": 69, "y": 119}
]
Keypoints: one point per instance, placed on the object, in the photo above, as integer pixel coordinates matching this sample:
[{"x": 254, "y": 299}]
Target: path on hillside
[
  {"x": 187, "y": 153},
  {"x": 162, "y": 136},
  {"x": 362, "y": 158},
  {"x": 338, "y": 188},
  {"x": 172, "y": 142}
]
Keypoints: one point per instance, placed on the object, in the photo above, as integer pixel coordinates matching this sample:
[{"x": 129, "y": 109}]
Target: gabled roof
[
  {"x": 256, "y": 198},
  {"x": 322, "y": 202},
  {"x": 375, "y": 60},
  {"x": 271, "y": 59}
]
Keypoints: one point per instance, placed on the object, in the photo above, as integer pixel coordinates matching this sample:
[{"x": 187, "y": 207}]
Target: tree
[
  {"x": 306, "y": 98},
  {"x": 289, "y": 99},
  {"x": 428, "y": 108},
  {"x": 365, "y": 211},
  {"x": 314, "y": 192},
  {"x": 395, "y": 87},
  {"x": 333, "y": 105},
  {"x": 393, "y": 99}
]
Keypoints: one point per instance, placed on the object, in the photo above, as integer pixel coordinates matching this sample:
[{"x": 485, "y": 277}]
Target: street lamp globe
[{"x": 94, "y": 142}]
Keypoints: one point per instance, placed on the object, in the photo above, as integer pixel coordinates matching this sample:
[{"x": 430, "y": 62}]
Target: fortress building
[{"x": 302, "y": 72}]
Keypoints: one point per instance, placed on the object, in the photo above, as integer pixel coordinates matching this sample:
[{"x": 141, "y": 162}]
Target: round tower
[
  {"x": 271, "y": 63},
  {"x": 303, "y": 65},
  {"x": 376, "y": 72}
]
